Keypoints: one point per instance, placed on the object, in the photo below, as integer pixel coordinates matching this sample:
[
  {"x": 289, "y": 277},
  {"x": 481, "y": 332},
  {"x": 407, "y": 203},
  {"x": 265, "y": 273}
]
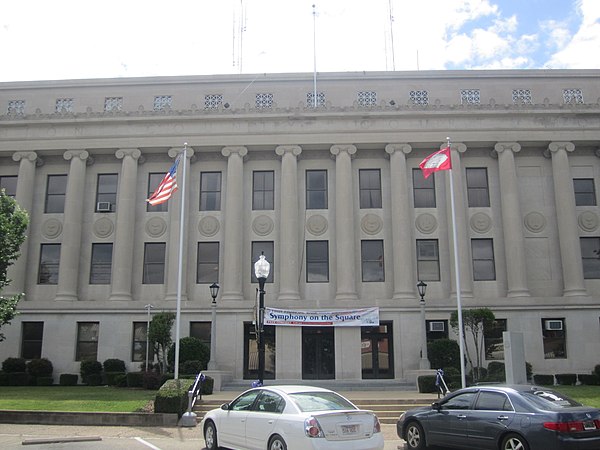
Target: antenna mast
[{"x": 391, "y": 19}]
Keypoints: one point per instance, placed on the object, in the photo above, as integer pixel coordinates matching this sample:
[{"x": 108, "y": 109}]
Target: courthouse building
[{"x": 324, "y": 179}]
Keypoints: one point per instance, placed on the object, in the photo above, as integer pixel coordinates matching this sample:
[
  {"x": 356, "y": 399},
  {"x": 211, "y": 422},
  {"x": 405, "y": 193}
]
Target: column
[
  {"x": 70, "y": 249},
  {"x": 24, "y": 197},
  {"x": 289, "y": 254},
  {"x": 463, "y": 245},
  {"x": 514, "y": 242},
  {"x": 345, "y": 242},
  {"x": 122, "y": 265},
  {"x": 566, "y": 216},
  {"x": 175, "y": 206},
  {"x": 402, "y": 238},
  {"x": 234, "y": 224}
]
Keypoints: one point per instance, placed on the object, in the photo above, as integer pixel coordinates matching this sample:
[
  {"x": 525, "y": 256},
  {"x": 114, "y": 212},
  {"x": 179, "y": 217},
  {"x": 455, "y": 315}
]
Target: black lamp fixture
[
  {"x": 261, "y": 270},
  {"x": 422, "y": 287},
  {"x": 214, "y": 291}
]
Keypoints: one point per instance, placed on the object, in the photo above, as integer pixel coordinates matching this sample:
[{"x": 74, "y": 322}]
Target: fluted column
[
  {"x": 462, "y": 244},
  {"x": 24, "y": 197},
  {"x": 344, "y": 223},
  {"x": 122, "y": 265},
  {"x": 234, "y": 223},
  {"x": 289, "y": 259},
  {"x": 70, "y": 249},
  {"x": 175, "y": 227},
  {"x": 514, "y": 242},
  {"x": 566, "y": 216},
  {"x": 403, "y": 244}
]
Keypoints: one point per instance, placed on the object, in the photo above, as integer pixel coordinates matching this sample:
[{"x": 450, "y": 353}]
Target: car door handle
[
  {"x": 271, "y": 421},
  {"x": 461, "y": 416},
  {"x": 502, "y": 417}
]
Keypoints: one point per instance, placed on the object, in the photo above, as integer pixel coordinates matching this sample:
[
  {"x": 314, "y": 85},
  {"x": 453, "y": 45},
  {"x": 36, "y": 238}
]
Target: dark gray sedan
[{"x": 502, "y": 417}]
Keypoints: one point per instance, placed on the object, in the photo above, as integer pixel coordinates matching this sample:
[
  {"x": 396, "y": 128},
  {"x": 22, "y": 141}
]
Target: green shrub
[
  {"x": 191, "y": 367},
  {"x": 496, "y": 372},
  {"x": 528, "y": 370},
  {"x": 40, "y": 367},
  {"x": 190, "y": 349},
  {"x": 94, "y": 379},
  {"x": 590, "y": 379},
  {"x": 91, "y": 369},
  {"x": 207, "y": 386},
  {"x": 135, "y": 379},
  {"x": 44, "y": 381},
  {"x": 566, "y": 379},
  {"x": 597, "y": 369},
  {"x": 172, "y": 397},
  {"x": 152, "y": 380},
  {"x": 3, "y": 378},
  {"x": 14, "y": 365},
  {"x": 443, "y": 354},
  {"x": 18, "y": 379},
  {"x": 115, "y": 378},
  {"x": 68, "y": 379},
  {"x": 544, "y": 380},
  {"x": 114, "y": 365},
  {"x": 426, "y": 383}
]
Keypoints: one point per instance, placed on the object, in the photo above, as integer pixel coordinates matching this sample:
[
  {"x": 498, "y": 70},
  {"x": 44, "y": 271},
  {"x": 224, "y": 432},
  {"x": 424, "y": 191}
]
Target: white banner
[{"x": 317, "y": 318}]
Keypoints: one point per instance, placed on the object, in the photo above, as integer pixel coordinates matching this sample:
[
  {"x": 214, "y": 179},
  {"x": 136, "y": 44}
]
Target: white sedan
[{"x": 291, "y": 417}]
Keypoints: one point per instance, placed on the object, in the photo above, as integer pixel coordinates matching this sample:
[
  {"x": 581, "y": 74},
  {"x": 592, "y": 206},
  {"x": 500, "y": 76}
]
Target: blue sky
[{"x": 65, "y": 39}]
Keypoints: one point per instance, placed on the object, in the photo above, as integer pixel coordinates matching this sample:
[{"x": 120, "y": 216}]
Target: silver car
[
  {"x": 291, "y": 417},
  {"x": 502, "y": 417}
]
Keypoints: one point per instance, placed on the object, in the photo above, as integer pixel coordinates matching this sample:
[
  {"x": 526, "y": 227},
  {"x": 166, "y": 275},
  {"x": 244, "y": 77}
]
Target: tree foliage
[
  {"x": 159, "y": 336},
  {"x": 474, "y": 321},
  {"x": 13, "y": 225}
]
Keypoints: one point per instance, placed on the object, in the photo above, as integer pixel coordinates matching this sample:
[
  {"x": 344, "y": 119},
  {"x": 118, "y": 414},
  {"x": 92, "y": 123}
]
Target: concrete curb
[{"x": 89, "y": 418}]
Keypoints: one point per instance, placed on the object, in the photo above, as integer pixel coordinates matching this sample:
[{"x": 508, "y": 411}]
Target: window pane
[
  {"x": 154, "y": 180},
  {"x": 31, "y": 340},
  {"x": 262, "y": 190},
  {"x": 372, "y": 261},
  {"x": 107, "y": 190},
  {"x": 210, "y": 191},
  {"x": 317, "y": 261},
  {"x": 138, "y": 349},
  {"x": 154, "y": 263},
  {"x": 423, "y": 190},
  {"x": 477, "y": 187},
  {"x": 493, "y": 341},
  {"x": 316, "y": 189},
  {"x": 49, "y": 264},
  {"x": 9, "y": 184},
  {"x": 590, "y": 254},
  {"x": 428, "y": 266},
  {"x": 483, "y": 259},
  {"x": 101, "y": 264},
  {"x": 555, "y": 338},
  {"x": 87, "y": 341},
  {"x": 55, "y": 194},
  {"x": 267, "y": 248},
  {"x": 208, "y": 262},
  {"x": 370, "y": 188},
  {"x": 201, "y": 330},
  {"x": 585, "y": 193}
]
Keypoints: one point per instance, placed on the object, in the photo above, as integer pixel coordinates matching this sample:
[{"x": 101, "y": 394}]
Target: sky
[{"x": 77, "y": 39}]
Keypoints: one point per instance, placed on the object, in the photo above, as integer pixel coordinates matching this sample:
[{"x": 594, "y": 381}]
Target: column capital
[
  {"x": 294, "y": 150},
  {"x": 238, "y": 150},
  {"x": 135, "y": 153},
  {"x": 500, "y": 147},
  {"x": 556, "y": 146},
  {"x": 457, "y": 146},
  {"x": 81, "y": 154},
  {"x": 18, "y": 156},
  {"x": 175, "y": 151},
  {"x": 341, "y": 148},
  {"x": 393, "y": 148}
]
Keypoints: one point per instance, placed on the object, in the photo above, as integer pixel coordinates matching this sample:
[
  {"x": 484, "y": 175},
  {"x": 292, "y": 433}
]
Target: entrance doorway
[
  {"x": 318, "y": 353},
  {"x": 377, "y": 352}
]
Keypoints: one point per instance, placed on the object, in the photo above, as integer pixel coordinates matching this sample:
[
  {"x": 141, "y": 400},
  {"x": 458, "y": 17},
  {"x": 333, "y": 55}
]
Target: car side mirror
[
  {"x": 436, "y": 405},
  {"x": 225, "y": 406}
]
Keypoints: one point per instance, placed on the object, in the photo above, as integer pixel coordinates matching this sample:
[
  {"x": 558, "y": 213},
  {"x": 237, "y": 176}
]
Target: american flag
[{"x": 166, "y": 188}]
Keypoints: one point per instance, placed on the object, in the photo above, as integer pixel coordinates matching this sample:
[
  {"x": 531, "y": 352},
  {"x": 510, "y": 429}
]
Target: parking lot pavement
[{"x": 34, "y": 437}]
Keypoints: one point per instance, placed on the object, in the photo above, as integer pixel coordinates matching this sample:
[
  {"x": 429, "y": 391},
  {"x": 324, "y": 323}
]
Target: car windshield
[
  {"x": 549, "y": 399},
  {"x": 320, "y": 401}
]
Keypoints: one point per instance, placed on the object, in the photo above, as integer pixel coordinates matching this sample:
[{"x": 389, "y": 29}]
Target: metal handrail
[{"x": 195, "y": 391}]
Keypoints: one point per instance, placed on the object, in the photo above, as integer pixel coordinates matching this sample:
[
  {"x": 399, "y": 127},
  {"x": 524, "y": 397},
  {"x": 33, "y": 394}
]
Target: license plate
[
  {"x": 349, "y": 429},
  {"x": 589, "y": 425}
]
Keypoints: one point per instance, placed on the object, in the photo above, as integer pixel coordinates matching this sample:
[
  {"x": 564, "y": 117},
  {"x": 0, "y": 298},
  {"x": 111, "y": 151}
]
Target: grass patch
[
  {"x": 74, "y": 398},
  {"x": 588, "y": 395}
]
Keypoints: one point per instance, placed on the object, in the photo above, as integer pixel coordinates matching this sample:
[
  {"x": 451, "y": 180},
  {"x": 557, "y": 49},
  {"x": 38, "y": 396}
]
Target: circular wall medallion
[
  {"x": 262, "y": 225},
  {"x": 156, "y": 227},
  {"x": 316, "y": 225},
  {"x": 426, "y": 223},
  {"x": 588, "y": 221},
  {"x": 209, "y": 226},
  {"x": 371, "y": 224},
  {"x": 535, "y": 222},
  {"x": 481, "y": 222},
  {"x": 52, "y": 228},
  {"x": 103, "y": 227}
]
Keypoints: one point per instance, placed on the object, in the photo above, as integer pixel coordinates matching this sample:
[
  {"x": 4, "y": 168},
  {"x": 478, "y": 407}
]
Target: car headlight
[{"x": 401, "y": 418}]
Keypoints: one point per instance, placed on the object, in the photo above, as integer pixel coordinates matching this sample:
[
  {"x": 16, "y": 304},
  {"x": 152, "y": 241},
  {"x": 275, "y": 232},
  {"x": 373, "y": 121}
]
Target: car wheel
[
  {"x": 415, "y": 436},
  {"x": 277, "y": 443},
  {"x": 210, "y": 436},
  {"x": 514, "y": 442}
]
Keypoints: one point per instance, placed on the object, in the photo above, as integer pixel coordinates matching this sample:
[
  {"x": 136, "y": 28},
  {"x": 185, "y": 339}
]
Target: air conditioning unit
[
  {"x": 554, "y": 325},
  {"x": 103, "y": 206},
  {"x": 437, "y": 326}
]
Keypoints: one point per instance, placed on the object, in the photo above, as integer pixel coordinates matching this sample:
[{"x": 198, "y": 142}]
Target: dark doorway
[
  {"x": 251, "y": 352},
  {"x": 318, "y": 353},
  {"x": 377, "y": 352}
]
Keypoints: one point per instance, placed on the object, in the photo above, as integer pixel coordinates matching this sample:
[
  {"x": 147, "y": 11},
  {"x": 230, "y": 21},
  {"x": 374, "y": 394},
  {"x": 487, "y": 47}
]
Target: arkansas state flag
[{"x": 439, "y": 160}]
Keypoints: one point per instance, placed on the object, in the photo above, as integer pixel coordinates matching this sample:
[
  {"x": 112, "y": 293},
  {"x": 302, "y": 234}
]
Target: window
[
  {"x": 521, "y": 97},
  {"x": 210, "y": 191},
  {"x": 492, "y": 339},
  {"x": 263, "y": 190},
  {"x": 317, "y": 261},
  {"x": 493, "y": 401},
  {"x": 585, "y": 192},
  {"x": 9, "y": 184},
  {"x": 113, "y": 104},
  {"x": 470, "y": 97},
  {"x": 477, "y": 188},
  {"x": 419, "y": 98},
  {"x": 461, "y": 401},
  {"x": 590, "y": 256},
  {"x": 367, "y": 98},
  {"x": 208, "y": 262},
  {"x": 162, "y": 102},
  {"x": 428, "y": 260},
  {"x": 554, "y": 335},
  {"x": 49, "y": 261},
  {"x": 573, "y": 96},
  {"x": 251, "y": 352},
  {"x": 154, "y": 180},
  {"x": 138, "y": 344},
  {"x": 106, "y": 195},
  {"x": 372, "y": 260},
  {"x": 201, "y": 330},
  {"x": 16, "y": 107},
  {"x": 483, "y": 259},
  {"x": 101, "y": 265},
  {"x": 258, "y": 247},
  {"x": 369, "y": 181},
  {"x": 64, "y": 105},
  {"x": 154, "y": 263},
  {"x": 310, "y": 99},
  {"x": 56, "y": 191},
  {"x": 213, "y": 101},
  {"x": 423, "y": 190},
  {"x": 264, "y": 100},
  {"x": 87, "y": 341},
  {"x": 436, "y": 329},
  {"x": 32, "y": 334},
  {"x": 316, "y": 189},
  {"x": 269, "y": 402}
]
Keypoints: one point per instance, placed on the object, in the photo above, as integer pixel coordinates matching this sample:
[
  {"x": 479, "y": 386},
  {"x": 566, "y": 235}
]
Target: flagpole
[
  {"x": 180, "y": 262},
  {"x": 461, "y": 338},
  {"x": 314, "y": 57}
]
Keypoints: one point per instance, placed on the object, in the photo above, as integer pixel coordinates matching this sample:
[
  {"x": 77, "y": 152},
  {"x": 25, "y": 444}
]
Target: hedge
[
  {"x": 589, "y": 379},
  {"x": 118, "y": 379},
  {"x": 14, "y": 365},
  {"x": 44, "y": 381},
  {"x": 545, "y": 380},
  {"x": 426, "y": 383},
  {"x": 68, "y": 379},
  {"x": 566, "y": 379},
  {"x": 135, "y": 379},
  {"x": 172, "y": 397}
]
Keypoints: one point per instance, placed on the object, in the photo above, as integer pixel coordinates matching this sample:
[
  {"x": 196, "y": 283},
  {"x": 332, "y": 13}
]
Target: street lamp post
[
  {"x": 261, "y": 270},
  {"x": 424, "y": 362},
  {"x": 148, "y": 307},
  {"x": 212, "y": 363}
]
